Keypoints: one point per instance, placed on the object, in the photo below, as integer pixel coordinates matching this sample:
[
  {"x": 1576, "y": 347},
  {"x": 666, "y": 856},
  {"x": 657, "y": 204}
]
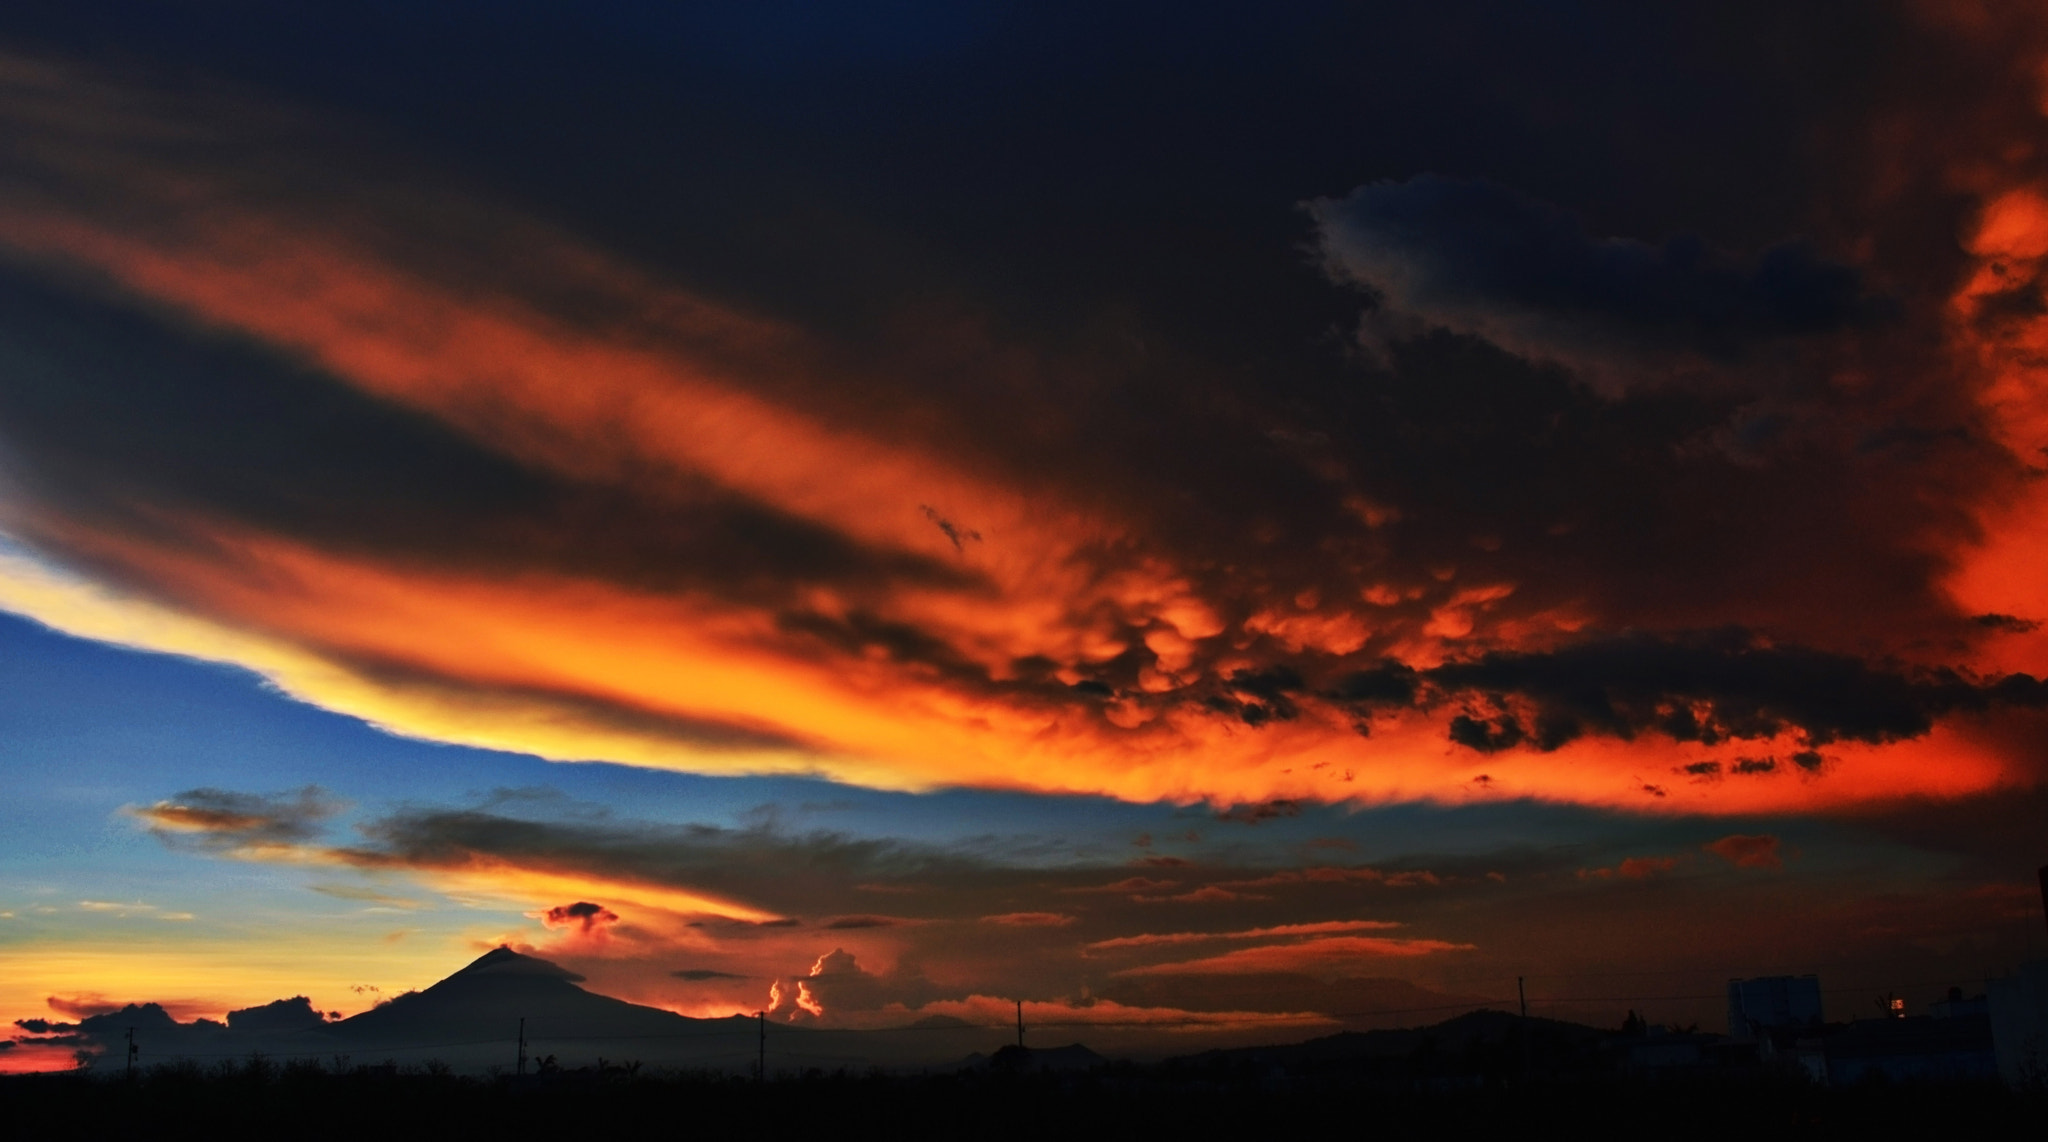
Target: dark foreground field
[{"x": 259, "y": 1100}]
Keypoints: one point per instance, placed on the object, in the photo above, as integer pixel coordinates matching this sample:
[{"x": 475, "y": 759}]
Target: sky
[{"x": 1194, "y": 517}]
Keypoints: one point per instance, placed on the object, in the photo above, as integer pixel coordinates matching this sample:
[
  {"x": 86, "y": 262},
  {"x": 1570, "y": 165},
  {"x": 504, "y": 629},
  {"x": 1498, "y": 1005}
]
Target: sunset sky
[{"x": 1186, "y": 516}]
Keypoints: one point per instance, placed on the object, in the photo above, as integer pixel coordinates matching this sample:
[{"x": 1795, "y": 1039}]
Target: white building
[
  {"x": 2019, "y": 1024},
  {"x": 1773, "y": 1002}
]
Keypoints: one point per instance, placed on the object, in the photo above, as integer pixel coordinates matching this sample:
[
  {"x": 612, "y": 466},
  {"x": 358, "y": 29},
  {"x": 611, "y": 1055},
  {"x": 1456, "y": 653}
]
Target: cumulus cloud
[{"x": 837, "y": 987}]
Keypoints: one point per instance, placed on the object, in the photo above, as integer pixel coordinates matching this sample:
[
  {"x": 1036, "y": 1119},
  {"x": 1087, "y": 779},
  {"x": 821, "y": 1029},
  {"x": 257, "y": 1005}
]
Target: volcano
[{"x": 487, "y": 999}]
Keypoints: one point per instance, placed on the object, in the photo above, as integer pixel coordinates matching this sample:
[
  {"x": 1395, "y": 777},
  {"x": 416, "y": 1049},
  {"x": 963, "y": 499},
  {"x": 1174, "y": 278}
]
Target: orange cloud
[
  {"x": 1006, "y": 630},
  {"x": 1128, "y": 884},
  {"x": 1319, "y": 928},
  {"x": 1323, "y": 954},
  {"x": 1030, "y": 919},
  {"x": 1632, "y": 868},
  {"x": 582, "y": 916},
  {"x": 1745, "y": 851}
]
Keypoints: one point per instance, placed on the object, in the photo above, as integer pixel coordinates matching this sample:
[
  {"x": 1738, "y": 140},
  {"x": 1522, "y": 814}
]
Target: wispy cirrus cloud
[
  {"x": 1318, "y": 928},
  {"x": 1326, "y": 954}
]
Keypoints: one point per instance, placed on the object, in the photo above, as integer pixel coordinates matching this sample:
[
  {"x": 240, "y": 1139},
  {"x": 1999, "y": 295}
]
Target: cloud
[
  {"x": 717, "y": 512},
  {"x": 294, "y": 1014},
  {"x": 1744, "y": 850},
  {"x": 835, "y": 988},
  {"x": 1318, "y": 928},
  {"x": 222, "y": 820},
  {"x": 682, "y": 870},
  {"x": 321, "y": 432},
  {"x": 1708, "y": 688},
  {"x": 366, "y": 895},
  {"x": 1336, "y": 874},
  {"x": 1030, "y": 919},
  {"x": 701, "y": 975},
  {"x": 1322, "y": 954},
  {"x": 95, "y": 1013},
  {"x": 1127, "y": 885},
  {"x": 1480, "y": 259},
  {"x": 1632, "y": 868},
  {"x": 1264, "y": 811},
  {"x": 1206, "y": 894},
  {"x": 581, "y": 916}
]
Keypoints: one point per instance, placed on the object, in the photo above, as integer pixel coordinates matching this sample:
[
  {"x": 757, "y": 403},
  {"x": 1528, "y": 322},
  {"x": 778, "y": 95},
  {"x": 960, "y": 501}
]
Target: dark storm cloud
[
  {"x": 569, "y": 704},
  {"x": 1262, "y": 811},
  {"x": 855, "y": 923},
  {"x": 294, "y": 1014},
  {"x": 583, "y": 916},
  {"x": 102, "y": 400},
  {"x": 791, "y": 873},
  {"x": 1708, "y": 688},
  {"x": 1142, "y": 347},
  {"x": 1477, "y": 258}
]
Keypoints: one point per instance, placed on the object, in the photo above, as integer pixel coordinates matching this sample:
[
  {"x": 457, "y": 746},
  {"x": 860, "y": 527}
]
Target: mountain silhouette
[
  {"x": 1031, "y": 1060},
  {"x": 488, "y": 998}
]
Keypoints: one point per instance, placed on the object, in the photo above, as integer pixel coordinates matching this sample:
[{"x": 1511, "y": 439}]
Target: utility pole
[
  {"x": 1522, "y": 994},
  {"x": 522, "y": 1046},
  {"x": 133, "y": 1050},
  {"x": 761, "y": 1048},
  {"x": 1020, "y": 1024}
]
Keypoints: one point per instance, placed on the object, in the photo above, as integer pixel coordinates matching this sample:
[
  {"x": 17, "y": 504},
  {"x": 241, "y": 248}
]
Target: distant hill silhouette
[
  {"x": 1476, "y": 1029},
  {"x": 470, "y": 1021},
  {"x": 1359, "y": 1003},
  {"x": 1034, "y": 1060},
  {"x": 294, "y": 1014}
]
